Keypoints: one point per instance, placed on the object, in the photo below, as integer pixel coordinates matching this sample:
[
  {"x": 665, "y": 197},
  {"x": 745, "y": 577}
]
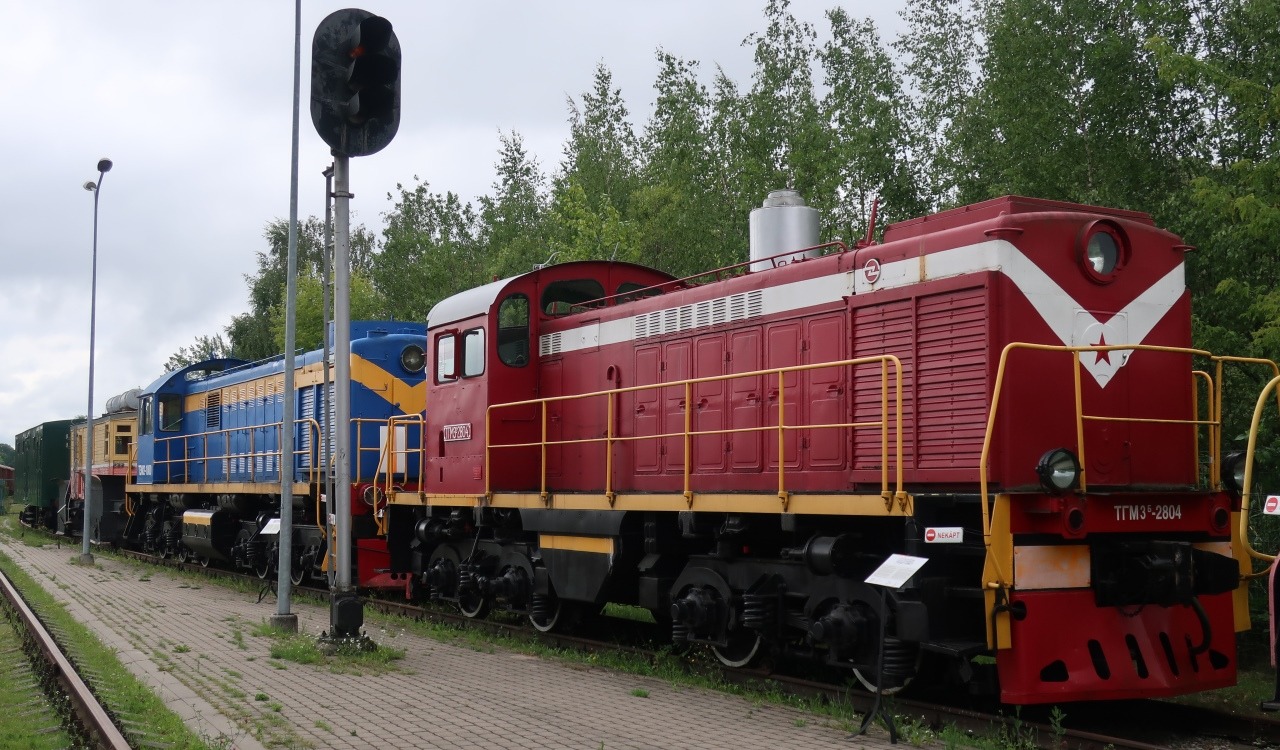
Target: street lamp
[{"x": 86, "y": 557}]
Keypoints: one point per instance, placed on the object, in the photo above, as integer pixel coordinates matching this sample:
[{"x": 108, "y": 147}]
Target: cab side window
[
  {"x": 170, "y": 413},
  {"x": 473, "y": 353},
  {"x": 570, "y": 296},
  {"x": 447, "y": 356},
  {"x": 513, "y": 331},
  {"x": 145, "y": 427},
  {"x": 446, "y": 369}
]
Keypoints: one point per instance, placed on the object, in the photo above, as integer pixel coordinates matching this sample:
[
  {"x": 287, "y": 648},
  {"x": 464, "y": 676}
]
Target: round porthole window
[{"x": 1103, "y": 251}]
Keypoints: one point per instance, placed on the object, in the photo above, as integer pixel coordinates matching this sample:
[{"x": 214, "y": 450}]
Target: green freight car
[{"x": 43, "y": 464}]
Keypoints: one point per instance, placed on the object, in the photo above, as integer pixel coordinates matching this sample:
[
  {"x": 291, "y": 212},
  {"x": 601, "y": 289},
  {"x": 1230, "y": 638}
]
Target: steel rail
[{"x": 95, "y": 719}]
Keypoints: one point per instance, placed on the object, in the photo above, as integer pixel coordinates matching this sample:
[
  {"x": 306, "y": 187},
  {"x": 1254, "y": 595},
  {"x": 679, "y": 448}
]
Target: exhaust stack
[{"x": 783, "y": 223}]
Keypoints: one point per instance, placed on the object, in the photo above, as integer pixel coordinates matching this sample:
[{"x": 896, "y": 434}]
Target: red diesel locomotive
[{"x": 1006, "y": 390}]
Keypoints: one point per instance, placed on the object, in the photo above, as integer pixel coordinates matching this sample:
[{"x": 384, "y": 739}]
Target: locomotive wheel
[
  {"x": 868, "y": 681},
  {"x": 297, "y": 573},
  {"x": 204, "y": 562},
  {"x": 473, "y": 605},
  {"x": 743, "y": 649},
  {"x": 551, "y": 621},
  {"x": 165, "y": 530},
  {"x": 183, "y": 553},
  {"x": 262, "y": 569}
]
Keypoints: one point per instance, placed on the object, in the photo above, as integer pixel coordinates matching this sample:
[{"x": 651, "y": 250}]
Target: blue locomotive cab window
[
  {"x": 146, "y": 426},
  {"x": 170, "y": 416}
]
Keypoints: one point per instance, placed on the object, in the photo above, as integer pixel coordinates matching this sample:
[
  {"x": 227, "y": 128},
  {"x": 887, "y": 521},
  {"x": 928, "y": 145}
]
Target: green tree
[
  {"x": 940, "y": 48},
  {"x": 366, "y": 304},
  {"x": 250, "y": 334},
  {"x": 512, "y": 227},
  {"x": 870, "y": 156},
  {"x": 591, "y": 193},
  {"x": 683, "y": 224},
  {"x": 586, "y": 232},
  {"x": 785, "y": 143},
  {"x": 430, "y": 250},
  {"x": 203, "y": 348},
  {"x": 8, "y": 456},
  {"x": 601, "y": 155},
  {"x": 1070, "y": 106}
]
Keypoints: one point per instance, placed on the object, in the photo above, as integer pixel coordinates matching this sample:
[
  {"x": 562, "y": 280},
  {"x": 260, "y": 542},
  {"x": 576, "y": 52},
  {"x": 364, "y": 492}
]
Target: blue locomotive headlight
[
  {"x": 1059, "y": 470},
  {"x": 1233, "y": 471},
  {"x": 412, "y": 358}
]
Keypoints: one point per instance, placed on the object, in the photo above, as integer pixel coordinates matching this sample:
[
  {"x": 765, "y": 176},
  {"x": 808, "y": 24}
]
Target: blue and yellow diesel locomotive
[{"x": 208, "y": 455}]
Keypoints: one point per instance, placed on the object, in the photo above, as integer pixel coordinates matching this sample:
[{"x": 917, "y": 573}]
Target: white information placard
[
  {"x": 272, "y": 527},
  {"x": 896, "y": 571}
]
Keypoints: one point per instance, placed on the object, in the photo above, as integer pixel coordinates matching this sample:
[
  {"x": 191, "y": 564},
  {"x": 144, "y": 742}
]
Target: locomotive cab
[
  {"x": 484, "y": 346},
  {"x": 160, "y": 415}
]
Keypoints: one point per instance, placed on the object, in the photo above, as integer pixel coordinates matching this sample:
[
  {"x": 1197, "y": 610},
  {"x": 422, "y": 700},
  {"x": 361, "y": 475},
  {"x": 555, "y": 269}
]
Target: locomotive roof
[
  {"x": 477, "y": 301},
  {"x": 990, "y": 209},
  {"x": 209, "y": 365}
]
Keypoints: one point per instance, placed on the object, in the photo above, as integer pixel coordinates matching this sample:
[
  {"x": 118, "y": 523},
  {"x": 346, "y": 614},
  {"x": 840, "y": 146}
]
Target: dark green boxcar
[{"x": 43, "y": 464}]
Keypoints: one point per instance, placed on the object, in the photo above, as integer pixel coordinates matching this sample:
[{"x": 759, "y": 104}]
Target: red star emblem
[{"x": 1103, "y": 356}]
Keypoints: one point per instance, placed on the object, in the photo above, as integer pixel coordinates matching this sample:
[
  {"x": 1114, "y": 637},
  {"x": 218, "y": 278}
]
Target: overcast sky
[{"x": 193, "y": 103}]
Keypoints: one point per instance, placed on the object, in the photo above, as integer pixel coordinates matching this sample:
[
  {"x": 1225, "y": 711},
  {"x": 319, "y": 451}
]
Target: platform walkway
[{"x": 193, "y": 642}]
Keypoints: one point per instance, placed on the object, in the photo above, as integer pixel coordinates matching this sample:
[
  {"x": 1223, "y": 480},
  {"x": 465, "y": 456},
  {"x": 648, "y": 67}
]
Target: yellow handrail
[
  {"x": 386, "y": 457},
  {"x": 1248, "y": 476},
  {"x": 227, "y": 456},
  {"x": 687, "y": 434}
]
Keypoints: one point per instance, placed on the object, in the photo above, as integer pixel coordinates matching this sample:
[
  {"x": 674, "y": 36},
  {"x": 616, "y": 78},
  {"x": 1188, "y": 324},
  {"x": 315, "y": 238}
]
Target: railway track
[
  {"x": 1137, "y": 725},
  {"x": 87, "y": 721}
]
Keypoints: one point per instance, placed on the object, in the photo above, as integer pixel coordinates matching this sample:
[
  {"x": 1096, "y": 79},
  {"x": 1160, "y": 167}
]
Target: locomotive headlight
[
  {"x": 1102, "y": 253},
  {"x": 1059, "y": 470},
  {"x": 412, "y": 358},
  {"x": 1233, "y": 471},
  {"x": 1103, "y": 250}
]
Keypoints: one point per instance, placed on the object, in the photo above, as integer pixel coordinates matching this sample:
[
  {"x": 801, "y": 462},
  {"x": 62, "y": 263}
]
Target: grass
[
  {"x": 640, "y": 693},
  {"x": 290, "y": 646},
  {"x": 39, "y": 723}
]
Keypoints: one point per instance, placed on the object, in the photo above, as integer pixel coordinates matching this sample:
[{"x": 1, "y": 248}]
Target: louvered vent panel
[
  {"x": 308, "y": 409},
  {"x": 213, "y": 410},
  {"x": 550, "y": 344},
  {"x": 719, "y": 311}
]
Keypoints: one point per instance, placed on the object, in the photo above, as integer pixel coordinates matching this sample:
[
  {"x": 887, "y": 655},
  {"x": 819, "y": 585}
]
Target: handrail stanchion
[
  {"x": 608, "y": 449},
  {"x": 782, "y": 440},
  {"x": 1079, "y": 393},
  {"x": 543, "y": 485},
  {"x": 688, "y": 440},
  {"x": 884, "y": 432}
]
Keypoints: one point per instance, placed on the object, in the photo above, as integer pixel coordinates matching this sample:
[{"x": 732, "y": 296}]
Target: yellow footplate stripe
[{"x": 599, "y": 545}]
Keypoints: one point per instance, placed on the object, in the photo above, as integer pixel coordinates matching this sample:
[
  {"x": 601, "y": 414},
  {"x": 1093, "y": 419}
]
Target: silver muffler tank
[{"x": 782, "y": 224}]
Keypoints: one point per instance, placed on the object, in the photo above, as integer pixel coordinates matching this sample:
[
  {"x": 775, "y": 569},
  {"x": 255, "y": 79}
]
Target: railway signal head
[{"x": 355, "y": 82}]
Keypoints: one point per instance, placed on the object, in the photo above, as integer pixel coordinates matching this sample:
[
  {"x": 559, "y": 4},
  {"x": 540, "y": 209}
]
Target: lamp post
[{"x": 86, "y": 557}]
